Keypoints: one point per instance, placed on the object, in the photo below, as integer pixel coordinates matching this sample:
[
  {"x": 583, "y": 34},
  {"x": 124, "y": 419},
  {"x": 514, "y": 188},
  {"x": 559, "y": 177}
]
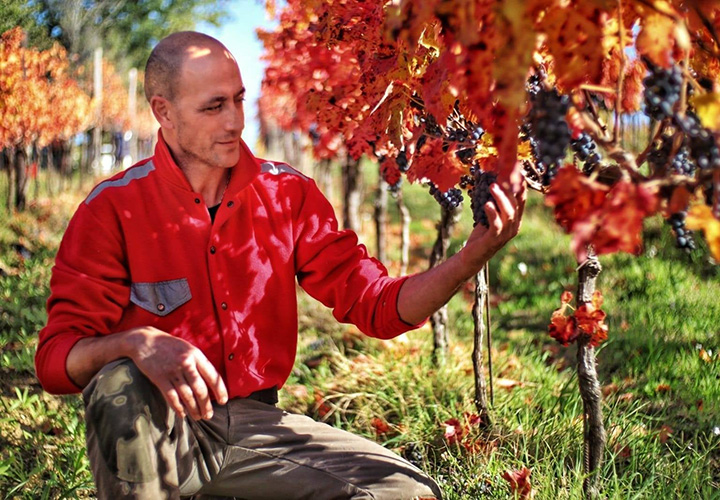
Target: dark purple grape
[{"x": 480, "y": 195}]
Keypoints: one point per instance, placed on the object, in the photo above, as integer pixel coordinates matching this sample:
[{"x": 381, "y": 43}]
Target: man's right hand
[{"x": 178, "y": 369}]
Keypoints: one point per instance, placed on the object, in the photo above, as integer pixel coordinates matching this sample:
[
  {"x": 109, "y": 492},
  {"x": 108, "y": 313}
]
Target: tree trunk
[
  {"x": 482, "y": 292},
  {"x": 10, "y": 156},
  {"x": 404, "y": 233},
  {"x": 381, "y": 213},
  {"x": 323, "y": 176},
  {"x": 20, "y": 167},
  {"x": 593, "y": 429},
  {"x": 439, "y": 319},
  {"x": 352, "y": 194}
]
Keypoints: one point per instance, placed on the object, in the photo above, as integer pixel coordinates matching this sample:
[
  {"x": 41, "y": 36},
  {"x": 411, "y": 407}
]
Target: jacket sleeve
[
  {"x": 336, "y": 270},
  {"x": 88, "y": 292}
]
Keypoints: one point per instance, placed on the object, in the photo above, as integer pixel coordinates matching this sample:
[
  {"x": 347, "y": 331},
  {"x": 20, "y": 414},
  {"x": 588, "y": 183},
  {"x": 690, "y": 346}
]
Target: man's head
[{"x": 195, "y": 90}]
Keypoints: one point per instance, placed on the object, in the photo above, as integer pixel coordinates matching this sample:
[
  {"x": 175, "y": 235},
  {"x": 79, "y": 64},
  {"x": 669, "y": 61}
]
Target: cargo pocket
[{"x": 161, "y": 297}]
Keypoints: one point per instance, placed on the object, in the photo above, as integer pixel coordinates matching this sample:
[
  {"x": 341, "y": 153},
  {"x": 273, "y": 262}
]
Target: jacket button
[
  {"x": 161, "y": 307},
  {"x": 197, "y": 200},
  {"x": 230, "y": 203},
  {"x": 223, "y": 305},
  {"x": 231, "y": 357},
  {"x": 212, "y": 250}
]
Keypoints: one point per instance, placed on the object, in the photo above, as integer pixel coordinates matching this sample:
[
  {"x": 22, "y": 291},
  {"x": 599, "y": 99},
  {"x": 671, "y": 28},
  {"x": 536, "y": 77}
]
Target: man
[{"x": 173, "y": 307}]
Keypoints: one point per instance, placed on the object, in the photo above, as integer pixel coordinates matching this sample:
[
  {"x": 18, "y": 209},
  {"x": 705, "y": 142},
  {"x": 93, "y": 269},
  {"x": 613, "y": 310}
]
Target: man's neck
[{"x": 210, "y": 182}]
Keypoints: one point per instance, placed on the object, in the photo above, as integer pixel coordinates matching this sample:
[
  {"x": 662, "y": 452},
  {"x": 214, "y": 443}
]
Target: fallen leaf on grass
[
  {"x": 507, "y": 383},
  {"x": 622, "y": 451},
  {"x": 665, "y": 433},
  {"x": 381, "y": 427},
  {"x": 705, "y": 356},
  {"x": 609, "y": 389},
  {"x": 519, "y": 481},
  {"x": 662, "y": 388},
  {"x": 626, "y": 397}
]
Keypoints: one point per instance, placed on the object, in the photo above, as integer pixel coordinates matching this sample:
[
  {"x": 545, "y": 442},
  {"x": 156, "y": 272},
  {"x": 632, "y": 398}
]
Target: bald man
[{"x": 173, "y": 307}]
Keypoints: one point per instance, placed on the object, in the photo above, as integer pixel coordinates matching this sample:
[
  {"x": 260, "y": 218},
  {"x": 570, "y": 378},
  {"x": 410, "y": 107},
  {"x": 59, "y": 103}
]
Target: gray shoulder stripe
[
  {"x": 131, "y": 175},
  {"x": 280, "y": 168}
]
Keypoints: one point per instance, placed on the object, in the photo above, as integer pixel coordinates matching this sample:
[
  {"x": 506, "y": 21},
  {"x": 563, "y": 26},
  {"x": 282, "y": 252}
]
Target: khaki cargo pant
[{"x": 139, "y": 448}]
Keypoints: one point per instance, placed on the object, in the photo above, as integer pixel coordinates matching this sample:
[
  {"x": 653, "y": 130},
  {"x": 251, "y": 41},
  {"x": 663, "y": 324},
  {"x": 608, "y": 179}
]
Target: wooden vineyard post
[
  {"x": 479, "y": 312},
  {"x": 594, "y": 435}
]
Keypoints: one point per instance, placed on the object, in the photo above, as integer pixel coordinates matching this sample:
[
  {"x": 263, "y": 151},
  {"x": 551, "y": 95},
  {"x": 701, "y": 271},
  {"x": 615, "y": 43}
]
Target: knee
[{"x": 120, "y": 394}]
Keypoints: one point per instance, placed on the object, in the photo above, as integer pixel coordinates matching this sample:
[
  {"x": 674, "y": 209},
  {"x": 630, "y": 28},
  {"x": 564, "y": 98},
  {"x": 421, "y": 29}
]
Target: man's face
[{"x": 208, "y": 116}]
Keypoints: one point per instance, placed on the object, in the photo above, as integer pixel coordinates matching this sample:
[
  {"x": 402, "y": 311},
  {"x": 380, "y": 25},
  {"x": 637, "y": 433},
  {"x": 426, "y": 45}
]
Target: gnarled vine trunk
[
  {"x": 381, "y": 213},
  {"x": 594, "y": 436},
  {"x": 404, "y": 233},
  {"x": 439, "y": 319},
  {"x": 352, "y": 193},
  {"x": 20, "y": 168}
]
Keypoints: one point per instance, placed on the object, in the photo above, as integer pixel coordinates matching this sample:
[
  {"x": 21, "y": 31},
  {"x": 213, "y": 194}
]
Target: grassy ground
[{"x": 660, "y": 371}]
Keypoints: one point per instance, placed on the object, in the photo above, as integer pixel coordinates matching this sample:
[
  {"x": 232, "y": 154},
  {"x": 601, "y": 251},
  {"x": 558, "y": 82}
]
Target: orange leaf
[
  {"x": 380, "y": 426},
  {"x": 662, "y": 388},
  {"x": 701, "y": 217},
  {"x": 519, "y": 481},
  {"x": 656, "y": 39},
  {"x": 664, "y": 434}
]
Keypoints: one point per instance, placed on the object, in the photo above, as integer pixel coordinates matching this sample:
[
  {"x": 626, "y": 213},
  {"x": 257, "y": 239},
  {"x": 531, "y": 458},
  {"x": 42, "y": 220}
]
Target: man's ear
[{"x": 162, "y": 109}]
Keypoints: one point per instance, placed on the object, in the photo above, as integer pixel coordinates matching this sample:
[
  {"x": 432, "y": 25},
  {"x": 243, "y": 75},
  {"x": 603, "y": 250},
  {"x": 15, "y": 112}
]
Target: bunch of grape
[
  {"x": 548, "y": 131},
  {"x": 683, "y": 236},
  {"x": 585, "y": 150},
  {"x": 448, "y": 200},
  {"x": 480, "y": 194},
  {"x": 465, "y": 155},
  {"x": 702, "y": 144},
  {"x": 662, "y": 91},
  {"x": 402, "y": 161}
]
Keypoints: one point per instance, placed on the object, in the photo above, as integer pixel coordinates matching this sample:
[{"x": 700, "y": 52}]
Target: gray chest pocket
[{"x": 160, "y": 297}]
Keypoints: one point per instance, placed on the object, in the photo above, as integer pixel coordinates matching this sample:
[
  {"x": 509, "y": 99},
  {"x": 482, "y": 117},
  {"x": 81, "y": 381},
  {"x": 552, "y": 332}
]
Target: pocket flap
[{"x": 160, "y": 297}]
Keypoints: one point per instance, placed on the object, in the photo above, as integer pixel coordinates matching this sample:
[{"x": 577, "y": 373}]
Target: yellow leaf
[
  {"x": 701, "y": 217},
  {"x": 708, "y": 109},
  {"x": 656, "y": 39}
]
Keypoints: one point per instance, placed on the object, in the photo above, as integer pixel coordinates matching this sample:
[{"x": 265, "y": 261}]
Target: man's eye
[{"x": 214, "y": 108}]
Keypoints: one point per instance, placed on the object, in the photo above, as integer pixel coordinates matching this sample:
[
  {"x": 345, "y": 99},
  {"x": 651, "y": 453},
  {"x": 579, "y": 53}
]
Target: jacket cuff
[
  {"x": 51, "y": 364},
  {"x": 393, "y": 324}
]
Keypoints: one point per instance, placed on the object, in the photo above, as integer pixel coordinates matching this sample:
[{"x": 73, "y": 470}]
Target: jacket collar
[{"x": 243, "y": 173}]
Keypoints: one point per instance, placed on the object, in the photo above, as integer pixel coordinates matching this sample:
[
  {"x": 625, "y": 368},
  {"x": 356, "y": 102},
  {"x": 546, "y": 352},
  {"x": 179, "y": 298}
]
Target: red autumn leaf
[
  {"x": 662, "y": 388},
  {"x": 562, "y": 328},
  {"x": 591, "y": 320},
  {"x": 617, "y": 226},
  {"x": 473, "y": 419},
  {"x": 390, "y": 170},
  {"x": 443, "y": 168},
  {"x": 566, "y": 297},
  {"x": 381, "y": 427},
  {"x": 519, "y": 481},
  {"x": 454, "y": 431},
  {"x": 665, "y": 433},
  {"x": 574, "y": 197},
  {"x": 656, "y": 39}
]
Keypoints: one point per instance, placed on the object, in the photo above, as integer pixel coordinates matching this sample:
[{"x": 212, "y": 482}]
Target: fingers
[
  {"x": 172, "y": 398},
  {"x": 213, "y": 379},
  {"x": 507, "y": 205},
  {"x": 187, "y": 394}
]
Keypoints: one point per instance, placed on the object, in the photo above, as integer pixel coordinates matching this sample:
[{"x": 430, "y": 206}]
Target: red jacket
[{"x": 141, "y": 251}]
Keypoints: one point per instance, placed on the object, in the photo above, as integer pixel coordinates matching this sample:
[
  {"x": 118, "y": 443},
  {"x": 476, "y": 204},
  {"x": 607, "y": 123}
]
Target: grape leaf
[
  {"x": 700, "y": 217},
  {"x": 707, "y": 107}
]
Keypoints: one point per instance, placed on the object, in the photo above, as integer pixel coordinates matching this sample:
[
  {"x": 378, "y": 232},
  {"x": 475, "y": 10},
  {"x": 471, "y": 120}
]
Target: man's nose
[{"x": 235, "y": 119}]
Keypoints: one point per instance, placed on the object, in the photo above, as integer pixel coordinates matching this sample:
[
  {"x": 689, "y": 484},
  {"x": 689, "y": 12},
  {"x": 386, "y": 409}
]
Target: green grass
[{"x": 662, "y": 388}]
